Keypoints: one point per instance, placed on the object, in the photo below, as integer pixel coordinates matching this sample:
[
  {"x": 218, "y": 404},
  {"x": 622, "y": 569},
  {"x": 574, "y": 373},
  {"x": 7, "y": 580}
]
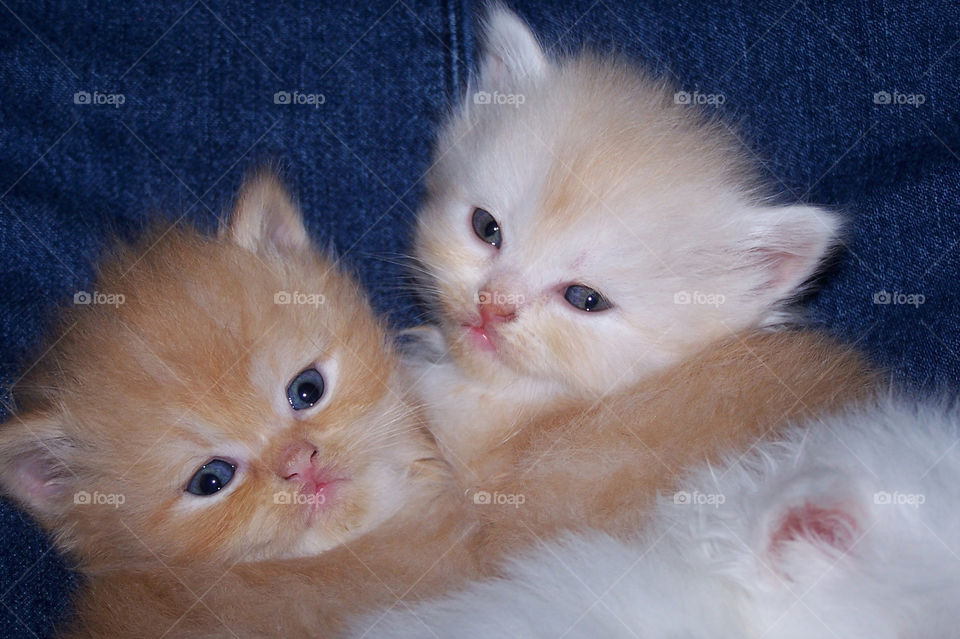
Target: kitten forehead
[
  {"x": 198, "y": 317},
  {"x": 601, "y": 152}
]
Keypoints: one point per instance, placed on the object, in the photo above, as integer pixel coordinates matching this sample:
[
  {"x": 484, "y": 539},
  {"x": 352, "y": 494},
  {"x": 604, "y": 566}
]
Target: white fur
[
  {"x": 597, "y": 178},
  {"x": 512, "y": 50},
  {"x": 714, "y": 571}
]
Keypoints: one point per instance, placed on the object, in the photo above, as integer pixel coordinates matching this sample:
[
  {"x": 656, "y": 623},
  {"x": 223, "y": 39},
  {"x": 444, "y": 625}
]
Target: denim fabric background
[{"x": 198, "y": 78}]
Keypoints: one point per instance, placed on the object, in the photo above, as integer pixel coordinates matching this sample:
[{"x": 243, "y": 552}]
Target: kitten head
[
  {"x": 234, "y": 400},
  {"x": 582, "y": 227}
]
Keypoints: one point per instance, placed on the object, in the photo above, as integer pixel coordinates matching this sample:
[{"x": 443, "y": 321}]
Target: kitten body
[
  {"x": 845, "y": 527},
  {"x": 606, "y": 276},
  {"x": 424, "y": 552},
  {"x": 229, "y": 449},
  {"x": 599, "y": 464}
]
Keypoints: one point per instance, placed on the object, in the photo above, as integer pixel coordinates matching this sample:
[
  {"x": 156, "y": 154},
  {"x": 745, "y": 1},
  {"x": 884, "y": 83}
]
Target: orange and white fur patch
[
  {"x": 228, "y": 451},
  {"x": 847, "y": 528},
  {"x": 606, "y": 276}
]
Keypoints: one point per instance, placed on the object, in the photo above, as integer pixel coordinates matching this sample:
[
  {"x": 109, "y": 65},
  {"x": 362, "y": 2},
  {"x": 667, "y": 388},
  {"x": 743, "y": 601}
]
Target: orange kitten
[
  {"x": 227, "y": 450},
  {"x": 606, "y": 275}
]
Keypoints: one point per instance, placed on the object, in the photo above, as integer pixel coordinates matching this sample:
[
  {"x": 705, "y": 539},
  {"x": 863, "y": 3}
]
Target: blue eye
[
  {"x": 211, "y": 477},
  {"x": 306, "y": 389},
  {"x": 586, "y": 298},
  {"x": 486, "y": 227}
]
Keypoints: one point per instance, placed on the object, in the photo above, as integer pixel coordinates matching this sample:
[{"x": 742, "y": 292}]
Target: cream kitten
[
  {"x": 582, "y": 231},
  {"x": 227, "y": 450},
  {"x": 849, "y": 528},
  {"x": 604, "y": 272}
]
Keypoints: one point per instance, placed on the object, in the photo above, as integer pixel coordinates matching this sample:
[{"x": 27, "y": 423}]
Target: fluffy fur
[
  {"x": 601, "y": 463},
  {"x": 844, "y": 528},
  {"x": 194, "y": 365},
  {"x": 598, "y": 178}
]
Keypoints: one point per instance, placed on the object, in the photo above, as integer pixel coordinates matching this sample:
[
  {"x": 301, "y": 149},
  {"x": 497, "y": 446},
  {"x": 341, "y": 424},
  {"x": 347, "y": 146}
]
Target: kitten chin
[{"x": 230, "y": 422}]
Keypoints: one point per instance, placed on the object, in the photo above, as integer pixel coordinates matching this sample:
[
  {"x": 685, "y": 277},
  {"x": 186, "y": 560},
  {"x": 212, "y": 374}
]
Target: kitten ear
[
  {"x": 34, "y": 463},
  {"x": 827, "y": 528},
  {"x": 265, "y": 218},
  {"x": 788, "y": 245},
  {"x": 510, "y": 51},
  {"x": 817, "y": 517}
]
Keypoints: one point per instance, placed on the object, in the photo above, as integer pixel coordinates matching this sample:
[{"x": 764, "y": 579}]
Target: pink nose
[
  {"x": 493, "y": 313},
  {"x": 298, "y": 463}
]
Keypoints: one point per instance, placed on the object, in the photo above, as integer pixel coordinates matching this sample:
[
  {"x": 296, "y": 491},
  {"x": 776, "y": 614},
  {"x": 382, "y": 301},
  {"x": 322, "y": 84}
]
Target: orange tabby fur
[
  {"x": 198, "y": 335},
  {"x": 425, "y": 552},
  {"x": 193, "y": 365},
  {"x": 599, "y": 463}
]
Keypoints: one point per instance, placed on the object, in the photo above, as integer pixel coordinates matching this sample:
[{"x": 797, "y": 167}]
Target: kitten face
[
  {"x": 237, "y": 405},
  {"x": 596, "y": 230}
]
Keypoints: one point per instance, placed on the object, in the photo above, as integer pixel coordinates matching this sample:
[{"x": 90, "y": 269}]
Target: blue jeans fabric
[{"x": 849, "y": 105}]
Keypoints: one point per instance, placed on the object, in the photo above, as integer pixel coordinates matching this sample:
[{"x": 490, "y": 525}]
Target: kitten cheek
[{"x": 551, "y": 351}]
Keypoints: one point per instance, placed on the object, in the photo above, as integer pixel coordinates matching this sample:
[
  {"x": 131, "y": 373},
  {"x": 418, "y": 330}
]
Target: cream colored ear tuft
[
  {"x": 265, "y": 217},
  {"x": 35, "y": 457},
  {"x": 510, "y": 50},
  {"x": 790, "y": 243}
]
